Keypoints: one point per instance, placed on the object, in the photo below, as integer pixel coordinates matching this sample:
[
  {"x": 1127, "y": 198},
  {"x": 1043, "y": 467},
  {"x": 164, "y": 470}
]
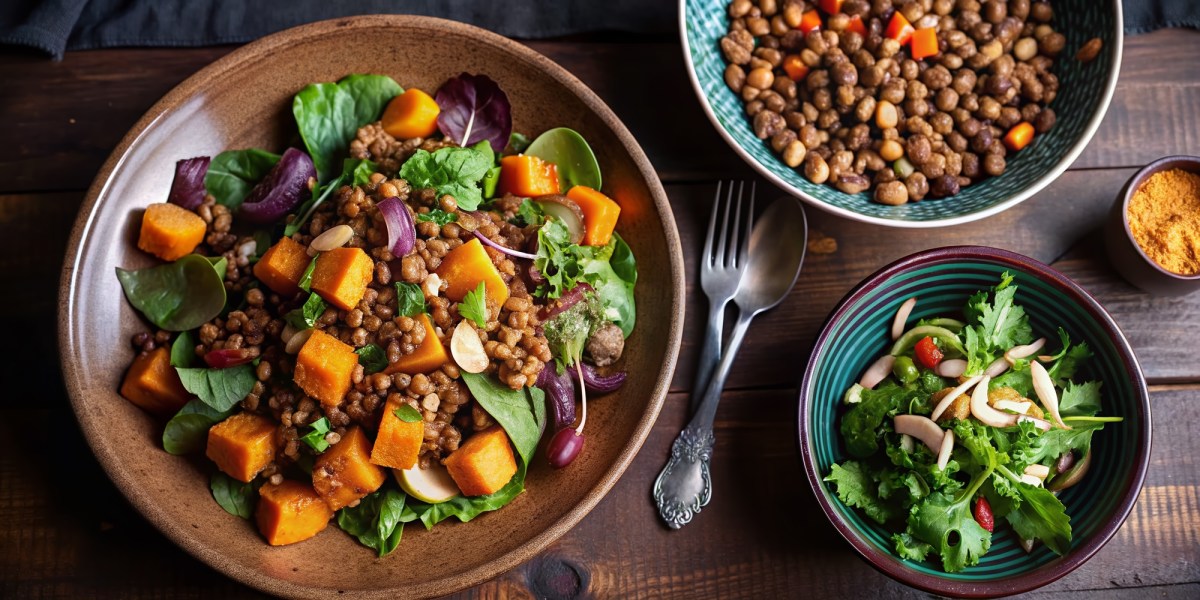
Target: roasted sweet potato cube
[
  {"x": 398, "y": 443},
  {"x": 323, "y": 368},
  {"x": 153, "y": 384},
  {"x": 429, "y": 356},
  {"x": 464, "y": 267},
  {"x": 344, "y": 473},
  {"x": 170, "y": 231},
  {"x": 282, "y": 266},
  {"x": 242, "y": 445},
  {"x": 484, "y": 464},
  {"x": 529, "y": 176},
  {"x": 290, "y": 512},
  {"x": 341, "y": 276}
]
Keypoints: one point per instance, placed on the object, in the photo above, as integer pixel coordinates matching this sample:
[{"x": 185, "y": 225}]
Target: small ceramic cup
[{"x": 1126, "y": 255}]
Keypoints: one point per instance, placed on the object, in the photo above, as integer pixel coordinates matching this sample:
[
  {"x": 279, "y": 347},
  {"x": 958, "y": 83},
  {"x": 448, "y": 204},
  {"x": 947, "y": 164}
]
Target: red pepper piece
[
  {"x": 983, "y": 514},
  {"x": 900, "y": 29},
  {"x": 927, "y": 353}
]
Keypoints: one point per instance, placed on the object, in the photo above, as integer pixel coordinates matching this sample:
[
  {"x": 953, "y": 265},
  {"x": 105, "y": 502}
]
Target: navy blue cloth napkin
[{"x": 55, "y": 26}]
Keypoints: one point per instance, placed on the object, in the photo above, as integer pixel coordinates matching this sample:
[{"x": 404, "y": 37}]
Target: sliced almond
[
  {"x": 334, "y": 237},
  {"x": 951, "y": 367},
  {"x": 1045, "y": 391},
  {"x": 1031, "y": 480},
  {"x": 877, "y": 372},
  {"x": 922, "y": 428},
  {"x": 949, "y": 399},
  {"x": 1039, "y": 471},
  {"x": 944, "y": 451},
  {"x": 983, "y": 411},
  {"x": 902, "y": 317},
  {"x": 296, "y": 342},
  {"x": 467, "y": 350}
]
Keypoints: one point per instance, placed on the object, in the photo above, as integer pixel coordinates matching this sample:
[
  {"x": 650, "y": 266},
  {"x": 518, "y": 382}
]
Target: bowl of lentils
[{"x": 913, "y": 113}]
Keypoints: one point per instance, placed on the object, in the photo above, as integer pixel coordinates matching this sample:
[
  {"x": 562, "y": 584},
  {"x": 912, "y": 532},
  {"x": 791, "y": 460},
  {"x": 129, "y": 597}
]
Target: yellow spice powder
[{"x": 1164, "y": 216}]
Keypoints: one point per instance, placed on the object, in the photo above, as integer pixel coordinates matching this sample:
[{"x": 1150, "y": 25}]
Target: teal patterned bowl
[
  {"x": 857, "y": 333},
  {"x": 1082, "y": 100}
]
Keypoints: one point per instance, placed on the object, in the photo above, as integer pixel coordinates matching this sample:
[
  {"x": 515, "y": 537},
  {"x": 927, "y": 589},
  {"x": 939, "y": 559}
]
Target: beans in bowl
[
  {"x": 906, "y": 99},
  {"x": 417, "y": 291}
]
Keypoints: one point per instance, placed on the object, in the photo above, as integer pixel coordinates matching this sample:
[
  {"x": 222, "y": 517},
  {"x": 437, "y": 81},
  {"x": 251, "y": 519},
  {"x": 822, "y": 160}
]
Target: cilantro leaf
[
  {"x": 450, "y": 170},
  {"x": 1080, "y": 400},
  {"x": 438, "y": 216},
  {"x": 995, "y": 326},
  {"x": 474, "y": 305},
  {"x": 410, "y": 300},
  {"x": 315, "y": 438},
  {"x": 372, "y": 358},
  {"x": 407, "y": 413},
  {"x": 910, "y": 548},
  {"x": 306, "y": 316},
  {"x": 558, "y": 260},
  {"x": 855, "y": 487},
  {"x": 940, "y": 519},
  {"x": 305, "y": 282},
  {"x": 529, "y": 213}
]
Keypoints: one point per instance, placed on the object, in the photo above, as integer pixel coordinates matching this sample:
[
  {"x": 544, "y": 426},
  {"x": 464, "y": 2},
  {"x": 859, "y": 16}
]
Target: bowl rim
[
  {"x": 1046, "y": 573},
  {"x": 1089, "y": 130},
  {"x": 69, "y": 323},
  {"x": 1131, "y": 187}
]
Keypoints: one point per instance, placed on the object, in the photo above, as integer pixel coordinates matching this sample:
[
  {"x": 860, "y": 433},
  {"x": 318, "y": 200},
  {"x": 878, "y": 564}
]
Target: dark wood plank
[
  {"x": 74, "y": 111},
  {"x": 65, "y": 530}
]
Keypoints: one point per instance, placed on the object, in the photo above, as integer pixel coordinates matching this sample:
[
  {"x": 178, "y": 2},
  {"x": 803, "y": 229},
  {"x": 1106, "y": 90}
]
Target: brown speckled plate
[{"x": 244, "y": 100}]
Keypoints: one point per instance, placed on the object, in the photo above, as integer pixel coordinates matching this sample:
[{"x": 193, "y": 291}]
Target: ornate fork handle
[{"x": 685, "y": 485}]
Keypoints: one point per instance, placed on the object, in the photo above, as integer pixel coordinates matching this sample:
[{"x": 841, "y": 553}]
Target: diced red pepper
[
  {"x": 856, "y": 25},
  {"x": 983, "y": 514},
  {"x": 795, "y": 68},
  {"x": 899, "y": 29},
  {"x": 927, "y": 353},
  {"x": 832, "y": 7},
  {"x": 810, "y": 22},
  {"x": 924, "y": 43},
  {"x": 227, "y": 357}
]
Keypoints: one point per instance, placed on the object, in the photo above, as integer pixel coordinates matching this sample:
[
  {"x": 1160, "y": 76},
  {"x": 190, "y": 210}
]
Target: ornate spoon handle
[{"x": 685, "y": 485}]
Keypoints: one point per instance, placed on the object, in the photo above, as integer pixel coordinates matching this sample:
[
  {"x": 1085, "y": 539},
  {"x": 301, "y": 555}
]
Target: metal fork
[
  {"x": 720, "y": 275},
  {"x": 681, "y": 492}
]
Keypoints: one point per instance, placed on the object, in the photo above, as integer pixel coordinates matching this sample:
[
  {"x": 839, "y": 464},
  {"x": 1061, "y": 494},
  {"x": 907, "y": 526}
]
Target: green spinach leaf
[
  {"x": 474, "y": 306},
  {"x": 233, "y": 173},
  {"x": 518, "y": 142},
  {"x": 220, "y": 389},
  {"x": 235, "y": 497},
  {"x": 372, "y": 358},
  {"x": 407, "y": 413},
  {"x": 613, "y": 273},
  {"x": 376, "y": 520},
  {"x": 571, "y": 154},
  {"x": 512, "y": 409},
  {"x": 306, "y": 316},
  {"x": 176, "y": 296},
  {"x": 453, "y": 171},
  {"x": 329, "y": 115},
  {"x": 183, "y": 350},
  {"x": 187, "y": 431},
  {"x": 410, "y": 300},
  {"x": 465, "y": 508},
  {"x": 315, "y": 438}
]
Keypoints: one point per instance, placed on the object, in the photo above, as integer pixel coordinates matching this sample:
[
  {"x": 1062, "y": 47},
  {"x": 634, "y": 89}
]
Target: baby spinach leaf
[
  {"x": 510, "y": 408},
  {"x": 376, "y": 520},
  {"x": 537, "y": 403},
  {"x": 407, "y": 413},
  {"x": 329, "y": 114},
  {"x": 219, "y": 264},
  {"x": 465, "y": 508},
  {"x": 453, "y": 171},
  {"x": 518, "y": 142},
  {"x": 613, "y": 273},
  {"x": 176, "y": 296},
  {"x": 220, "y": 389},
  {"x": 235, "y": 497},
  {"x": 187, "y": 431},
  {"x": 438, "y": 216},
  {"x": 306, "y": 316},
  {"x": 233, "y": 173},
  {"x": 315, "y": 438},
  {"x": 474, "y": 306},
  {"x": 410, "y": 299},
  {"x": 571, "y": 154},
  {"x": 372, "y": 358},
  {"x": 183, "y": 350}
]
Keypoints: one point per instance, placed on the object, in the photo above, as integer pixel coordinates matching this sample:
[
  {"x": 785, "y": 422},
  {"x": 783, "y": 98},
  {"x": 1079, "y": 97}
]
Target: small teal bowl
[
  {"x": 858, "y": 332},
  {"x": 1082, "y": 100}
]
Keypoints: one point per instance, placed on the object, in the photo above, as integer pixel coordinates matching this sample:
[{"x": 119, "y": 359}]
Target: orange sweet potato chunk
[
  {"x": 290, "y": 512},
  {"x": 429, "y": 356},
  {"x": 323, "y": 368},
  {"x": 484, "y": 464},
  {"x": 242, "y": 445},
  {"x": 599, "y": 214},
  {"x": 153, "y": 384},
  {"x": 464, "y": 267},
  {"x": 282, "y": 266},
  {"x": 344, "y": 473},
  {"x": 170, "y": 231},
  {"x": 341, "y": 276},
  {"x": 529, "y": 176},
  {"x": 398, "y": 443}
]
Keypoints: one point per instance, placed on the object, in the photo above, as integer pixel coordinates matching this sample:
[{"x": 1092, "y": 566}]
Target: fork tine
[
  {"x": 720, "y": 259},
  {"x": 744, "y": 249},
  {"x": 712, "y": 226},
  {"x": 732, "y": 261}
]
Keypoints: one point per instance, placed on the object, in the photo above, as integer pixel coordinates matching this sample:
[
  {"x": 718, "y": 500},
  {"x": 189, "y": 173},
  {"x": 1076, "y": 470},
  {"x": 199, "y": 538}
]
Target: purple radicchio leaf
[
  {"x": 474, "y": 108},
  {"x": 187, "y": 189}
]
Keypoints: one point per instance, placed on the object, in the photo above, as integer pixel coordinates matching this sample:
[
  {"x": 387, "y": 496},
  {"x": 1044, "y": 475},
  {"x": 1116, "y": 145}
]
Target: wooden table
[{"x": 65, "y": 531}]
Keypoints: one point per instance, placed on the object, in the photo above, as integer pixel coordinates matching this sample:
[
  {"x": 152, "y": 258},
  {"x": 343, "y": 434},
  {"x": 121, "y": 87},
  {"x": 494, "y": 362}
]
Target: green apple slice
[{"x": 432, "y": 485}]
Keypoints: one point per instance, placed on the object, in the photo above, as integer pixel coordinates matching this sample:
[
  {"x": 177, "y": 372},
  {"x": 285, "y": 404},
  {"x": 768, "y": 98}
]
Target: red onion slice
[
  {"x": 567, "y": 300},
  {"x": 951, "y": 367},
  {"x": 877, "y": 372},
  {"x": 560, "y": 395},
  {"x": 402, "y": 233},
  {"x": 187, "y": 189},
  {"x": 601, "y": 384},
  {"x": 948, "y": 399},
  {"x": 902, "y": 317},
  {"x": 280, "y": 191},
  {"x": 509, "y": 251},
  {"x": 997, "y": 368},
  {"x": 1023, "y": 351}
]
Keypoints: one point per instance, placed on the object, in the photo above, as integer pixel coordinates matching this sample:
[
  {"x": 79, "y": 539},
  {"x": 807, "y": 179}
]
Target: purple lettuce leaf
[{"x": 473, "y": 109}]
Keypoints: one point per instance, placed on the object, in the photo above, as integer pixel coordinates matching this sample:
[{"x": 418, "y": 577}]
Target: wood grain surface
[{"x": 65, "y": 531}]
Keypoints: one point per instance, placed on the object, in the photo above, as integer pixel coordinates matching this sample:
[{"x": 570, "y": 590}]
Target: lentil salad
[{"x": 399, "y": 299}]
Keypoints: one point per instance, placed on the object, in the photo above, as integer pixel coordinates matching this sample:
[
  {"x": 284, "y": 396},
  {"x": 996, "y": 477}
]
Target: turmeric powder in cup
[{"x": 1164, "y": 218}]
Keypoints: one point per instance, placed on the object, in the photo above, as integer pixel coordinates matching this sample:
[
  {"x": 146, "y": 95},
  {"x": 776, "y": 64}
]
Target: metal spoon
[{"x": 776, "y": 253}]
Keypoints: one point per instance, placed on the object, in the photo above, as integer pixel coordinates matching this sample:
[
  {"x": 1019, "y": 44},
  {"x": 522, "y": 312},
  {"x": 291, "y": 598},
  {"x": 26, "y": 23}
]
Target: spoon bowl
[{"x": 776, "y": 254}]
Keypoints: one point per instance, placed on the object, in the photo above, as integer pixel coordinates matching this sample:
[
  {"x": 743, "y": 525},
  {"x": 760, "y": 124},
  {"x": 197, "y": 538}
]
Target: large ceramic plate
[
  {"x": 1081, "y": 103},
  {"x": 244, "y": 100}
]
